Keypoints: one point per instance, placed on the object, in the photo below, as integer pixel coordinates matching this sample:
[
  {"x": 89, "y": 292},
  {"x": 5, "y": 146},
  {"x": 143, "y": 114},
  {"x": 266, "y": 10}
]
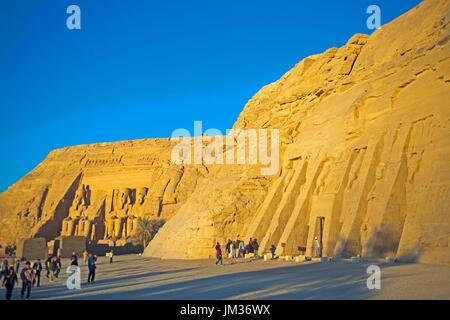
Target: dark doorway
[{"x": 318, "y": 232}]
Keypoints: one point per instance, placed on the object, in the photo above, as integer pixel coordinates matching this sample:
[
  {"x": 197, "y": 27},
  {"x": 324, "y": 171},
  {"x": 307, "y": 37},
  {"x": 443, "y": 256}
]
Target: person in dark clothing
[
  {"x": 74, "y": 261},
  {"x": 219, "y": 254},
  {"x": 255, "y": 246},
  {"x": 27, "y": 277},
  {"x": 249, "y": 246},
  {"x": 9, "y": 281},
  {"x": 17, "y": 265},
  {"x": 4, "y": 269},
  {"x": 37, "y": 266},
  {"x": 272, "y": 250},
  {"x": 228, "y": 247},
  {"x": 53, "y": 268},
  {"x": 58, "y": 266},
  {"x": 91, "y": 267},
  {"x": 74, "y": 256},
  {"x": 48, "y": 265}
]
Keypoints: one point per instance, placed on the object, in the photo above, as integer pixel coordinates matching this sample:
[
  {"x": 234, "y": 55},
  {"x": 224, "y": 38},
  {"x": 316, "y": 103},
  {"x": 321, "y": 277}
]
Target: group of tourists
[
  {"x": 237, "y": 249},
  {"x": 30, "y": 274}
]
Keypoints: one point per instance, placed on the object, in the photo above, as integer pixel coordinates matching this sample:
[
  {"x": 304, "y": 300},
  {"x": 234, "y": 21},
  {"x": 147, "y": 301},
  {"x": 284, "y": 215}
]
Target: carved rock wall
[{"x": 364, "y": 145}]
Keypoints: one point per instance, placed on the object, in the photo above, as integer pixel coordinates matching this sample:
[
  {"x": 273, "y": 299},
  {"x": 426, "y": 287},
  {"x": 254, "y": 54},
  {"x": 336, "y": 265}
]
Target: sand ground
[{"x": 134, "y": 277}]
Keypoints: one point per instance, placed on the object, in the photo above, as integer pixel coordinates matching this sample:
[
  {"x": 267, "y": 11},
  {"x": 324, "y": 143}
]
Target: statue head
[
  {"x": 123, "y": 197},
  {"x": 140, "y": 195}
]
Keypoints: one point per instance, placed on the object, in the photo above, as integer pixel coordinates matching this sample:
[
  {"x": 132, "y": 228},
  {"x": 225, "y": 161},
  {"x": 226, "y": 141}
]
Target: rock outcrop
[
  {"x": 364, "y": 154},
  {"x": 364, "y": 166}
]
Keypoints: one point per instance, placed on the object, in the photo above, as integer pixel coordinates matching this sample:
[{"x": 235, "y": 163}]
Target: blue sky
[{"x": 140, "y": 69}]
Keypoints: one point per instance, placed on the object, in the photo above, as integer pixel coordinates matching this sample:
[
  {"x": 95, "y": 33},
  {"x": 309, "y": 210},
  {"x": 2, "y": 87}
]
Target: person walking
[
  {"x": 53, "y": 268},
  {"x": 91, "y": 266},
  {"x": 111, "y": 255},
  {"x": 9, "y": 282},
  {"x": 272, "y": 250},
  {"x": 58, "y": 266},
  {"x": 37, "y": 267},
  {"x": 4, "y": 269},
  {"x": 17, "y": 265},
  {"x": 48, "y": 266},
  {"x": 27, "y": 277},
  {"x": 219, "y": 254},
  {"x": 236, "y": 248}
]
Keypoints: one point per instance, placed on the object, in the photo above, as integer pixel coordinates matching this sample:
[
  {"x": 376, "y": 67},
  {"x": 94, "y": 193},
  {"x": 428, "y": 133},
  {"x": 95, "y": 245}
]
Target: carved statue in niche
[
  {"x": 380, "y": 172},
  {"x": 373, "y": 196},
  {"x": 80, "y": 202},
  {"x": 141, "y": 207},
  {"x": 356, "y": 166},
  {"x": 79, "y": 205},
  {"x": 174, "y": 173},
  {"x": 122, "y": 202},
  {"x": 320, "y": 184}
]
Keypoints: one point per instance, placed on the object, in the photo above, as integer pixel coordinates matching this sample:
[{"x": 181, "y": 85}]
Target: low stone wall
[
  {"x": 101, "y": 249},
  {"x": 69, "y": 244},
  {"x": 32, "y": 248}
]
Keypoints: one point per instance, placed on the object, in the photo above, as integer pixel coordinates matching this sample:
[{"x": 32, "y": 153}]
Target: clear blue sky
[{"x": 140, "y": 69}]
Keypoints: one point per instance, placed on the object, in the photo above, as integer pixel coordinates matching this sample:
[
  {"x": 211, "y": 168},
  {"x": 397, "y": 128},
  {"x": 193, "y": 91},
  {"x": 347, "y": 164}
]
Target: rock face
[
  {"x": 364, "y": 166},
  {"x": 97, "y": 191},
  {"x": 364, "y": 154}
]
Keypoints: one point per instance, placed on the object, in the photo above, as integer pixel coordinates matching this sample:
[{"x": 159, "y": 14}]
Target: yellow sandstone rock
[{"x": 364, "y": 165}]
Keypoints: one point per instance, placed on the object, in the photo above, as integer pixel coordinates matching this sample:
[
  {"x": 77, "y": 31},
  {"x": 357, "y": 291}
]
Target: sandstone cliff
[
  {"x": 364, "y": 144},
  {"x": 364, "y": 164}
]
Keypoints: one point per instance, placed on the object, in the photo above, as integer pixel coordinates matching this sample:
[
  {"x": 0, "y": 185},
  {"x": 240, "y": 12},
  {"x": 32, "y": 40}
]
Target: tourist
[
  {"x": 272, "y": 250},
  {"x": 4, "y": 269},
  {"x": 219, "y": 254},
  {"x": 255, "y": 246},
  {"x": 316, "y": 248},
  {"x": 73, "y": 261},
  {"x": 74, "y": 256},
  {"x": 111, "y": 255},
  {"x": 9, "y": 281},
  {"x": 241, "y": 248},
  {"x": 91, "y": 267},
  {"x": 249, "y": 247},
  {"x": 37, "y": 267},
  {"x": 58, "y": 266},
  {"x": 228, "y": 247},
  {"x": 236, "y": 248},
  {"x": 48, "y": 265},
  {"x": 17, "y": 265},
  {"x": 27, "y": 277},
  {"x": 53, "y": 268}
]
